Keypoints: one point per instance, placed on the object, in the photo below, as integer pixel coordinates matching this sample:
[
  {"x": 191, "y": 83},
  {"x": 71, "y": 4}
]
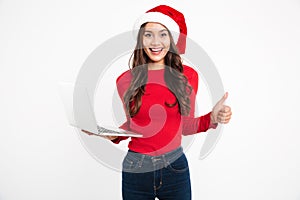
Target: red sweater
[{"x": 162, "y": 126}]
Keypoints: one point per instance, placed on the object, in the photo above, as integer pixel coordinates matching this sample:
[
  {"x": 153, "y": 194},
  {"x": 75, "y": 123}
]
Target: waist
[{"x": 166, "y": 158}]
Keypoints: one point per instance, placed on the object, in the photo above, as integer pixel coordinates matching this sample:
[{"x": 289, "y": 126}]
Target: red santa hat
[{"x": 171, "y": 18}]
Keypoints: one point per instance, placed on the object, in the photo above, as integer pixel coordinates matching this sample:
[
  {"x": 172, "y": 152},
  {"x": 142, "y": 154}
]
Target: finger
[
  {"x": 223, "y": 99},
  {"x": 86, "y": 132},
  {"x": 226, "y": 120},
  {"x": 112, "y": 137},
  {"x": 225, "y": 109},
  {"x": 224, "y": 113},
  {"x": 223, "y": 119},
  {"x": 108, "y": 137}
]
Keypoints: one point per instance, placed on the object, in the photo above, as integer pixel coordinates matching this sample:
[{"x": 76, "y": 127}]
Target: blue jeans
[{"x": 165, "y": 177}]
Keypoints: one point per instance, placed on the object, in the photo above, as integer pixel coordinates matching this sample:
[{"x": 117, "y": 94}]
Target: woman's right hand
[{"x": 107, "y": 137}]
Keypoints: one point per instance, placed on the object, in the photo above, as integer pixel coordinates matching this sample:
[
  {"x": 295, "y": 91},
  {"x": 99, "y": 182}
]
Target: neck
[{"x": 155, "y": 66}]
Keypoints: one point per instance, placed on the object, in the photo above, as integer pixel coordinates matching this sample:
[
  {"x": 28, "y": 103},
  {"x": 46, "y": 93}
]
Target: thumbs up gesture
[{"x": 220, "y": 112}]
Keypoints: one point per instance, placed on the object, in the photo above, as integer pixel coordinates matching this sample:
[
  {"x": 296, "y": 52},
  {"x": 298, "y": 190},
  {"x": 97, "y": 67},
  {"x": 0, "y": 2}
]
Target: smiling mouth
[{"x": 156, "y": 50}]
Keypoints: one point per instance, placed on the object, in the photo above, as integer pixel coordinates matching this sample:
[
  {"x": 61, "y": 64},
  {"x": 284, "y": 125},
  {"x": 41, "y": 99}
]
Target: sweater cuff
[
  {"x": 213, "y": 125},
  {"x": 205, "y": 123},
  {"x": 124, "y": 126},
  {"x": 119, "y": 139}
]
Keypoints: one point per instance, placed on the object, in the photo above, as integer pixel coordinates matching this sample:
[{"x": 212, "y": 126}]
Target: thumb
[{"x": 223, "y": 99}]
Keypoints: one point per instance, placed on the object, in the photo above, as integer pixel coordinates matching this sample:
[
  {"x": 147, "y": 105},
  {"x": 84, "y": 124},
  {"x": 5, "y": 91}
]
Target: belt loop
[
  {"x": 166, "y": 163},
  {"x": 141, "y": 161}
]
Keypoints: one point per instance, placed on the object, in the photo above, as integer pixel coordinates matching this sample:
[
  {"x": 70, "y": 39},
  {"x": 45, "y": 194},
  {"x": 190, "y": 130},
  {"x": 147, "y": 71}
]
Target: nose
[{"x": 155, "y": 40}]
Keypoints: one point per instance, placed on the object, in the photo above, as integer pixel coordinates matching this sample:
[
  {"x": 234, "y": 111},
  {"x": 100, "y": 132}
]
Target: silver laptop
[{"x": 86, "y": 119}]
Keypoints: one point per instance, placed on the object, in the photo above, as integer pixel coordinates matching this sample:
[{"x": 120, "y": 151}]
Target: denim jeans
[{"x": 165, "y": 177}]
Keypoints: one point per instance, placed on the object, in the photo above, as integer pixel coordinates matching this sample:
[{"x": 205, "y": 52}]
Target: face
[{"x": 156, "y": 42}]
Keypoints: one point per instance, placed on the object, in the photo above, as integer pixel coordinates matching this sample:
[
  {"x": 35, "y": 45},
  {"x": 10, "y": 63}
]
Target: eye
[
  {"x": 164, "y": 35},
  {"x": 147, "y": 35}
]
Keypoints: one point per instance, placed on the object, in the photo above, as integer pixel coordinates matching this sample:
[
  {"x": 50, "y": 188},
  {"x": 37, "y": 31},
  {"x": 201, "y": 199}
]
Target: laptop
[{"x": 86, "y": 119}]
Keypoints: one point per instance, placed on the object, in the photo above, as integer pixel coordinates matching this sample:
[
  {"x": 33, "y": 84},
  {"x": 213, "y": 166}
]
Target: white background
[{"x": 254, "y": 44}]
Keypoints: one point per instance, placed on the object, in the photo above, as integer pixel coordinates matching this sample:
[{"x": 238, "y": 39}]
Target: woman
[{"x": 158, "y": 95}]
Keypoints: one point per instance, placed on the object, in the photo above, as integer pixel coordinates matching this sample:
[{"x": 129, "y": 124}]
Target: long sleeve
[
  {"x": 122, "y": 84},
  {"x": 191, "y": 124}
]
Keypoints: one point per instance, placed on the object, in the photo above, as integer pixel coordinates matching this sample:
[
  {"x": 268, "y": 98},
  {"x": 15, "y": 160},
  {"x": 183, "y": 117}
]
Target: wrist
[{"x": 213, "y": 119}]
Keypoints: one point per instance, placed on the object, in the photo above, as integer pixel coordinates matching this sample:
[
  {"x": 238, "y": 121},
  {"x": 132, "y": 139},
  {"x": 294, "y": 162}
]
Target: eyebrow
[{"x": 159, "y": 31}]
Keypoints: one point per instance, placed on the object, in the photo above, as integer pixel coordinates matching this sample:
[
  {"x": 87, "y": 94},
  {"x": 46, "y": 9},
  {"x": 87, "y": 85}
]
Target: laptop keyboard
[{"x": 104, "y": 130}]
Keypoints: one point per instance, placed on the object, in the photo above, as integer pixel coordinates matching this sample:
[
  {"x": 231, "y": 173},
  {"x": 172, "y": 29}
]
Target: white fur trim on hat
[{"x": 159, "y": 18}]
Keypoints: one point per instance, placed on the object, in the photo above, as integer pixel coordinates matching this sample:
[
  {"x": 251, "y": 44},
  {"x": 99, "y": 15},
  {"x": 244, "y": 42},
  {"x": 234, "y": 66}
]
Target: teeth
[{"x": 156, "y": 49}]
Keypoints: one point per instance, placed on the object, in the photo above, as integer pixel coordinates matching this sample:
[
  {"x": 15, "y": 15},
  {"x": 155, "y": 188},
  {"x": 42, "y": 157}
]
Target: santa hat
[{"x": 170, "y": 18}]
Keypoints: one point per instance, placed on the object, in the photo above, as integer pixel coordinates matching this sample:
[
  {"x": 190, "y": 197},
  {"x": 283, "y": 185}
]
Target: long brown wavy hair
[{"x": 173, "y": 75}]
